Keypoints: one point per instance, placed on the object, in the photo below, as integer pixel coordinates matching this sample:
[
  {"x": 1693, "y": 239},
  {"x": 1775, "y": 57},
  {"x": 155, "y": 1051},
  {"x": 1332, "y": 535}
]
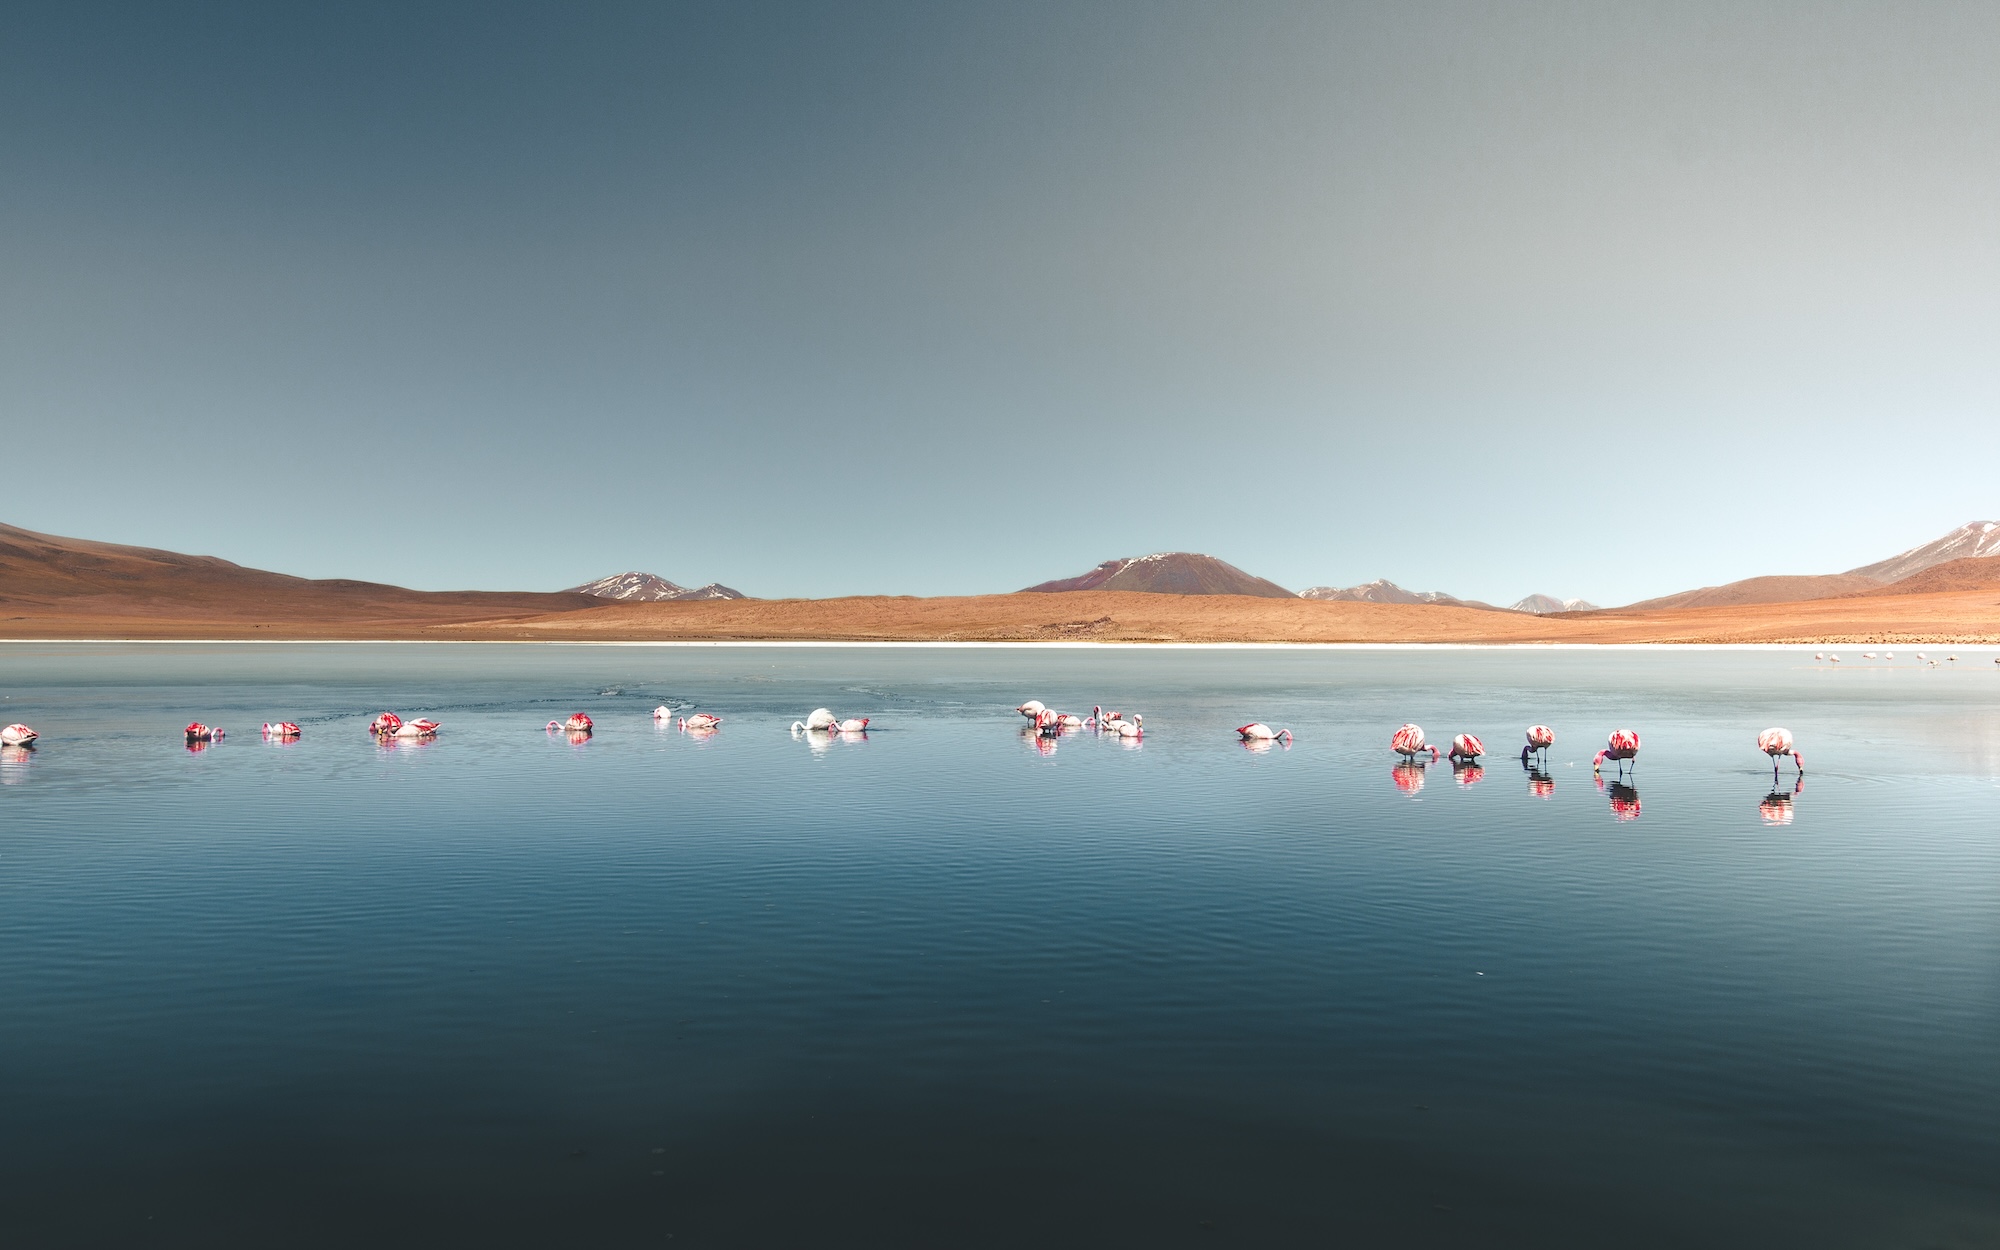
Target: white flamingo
[
  {"x": 852, "y": 725},
  {"x": 700, "y": 721},
  {"x": 418, "y": 728},
  {"x": 281, "y": 729},
  {"x": 819, "y": 718},
  {"x": 1134, "y": 728},
  {"x": 663, "y": 712},
  {"x": 1031, "y": 709}
]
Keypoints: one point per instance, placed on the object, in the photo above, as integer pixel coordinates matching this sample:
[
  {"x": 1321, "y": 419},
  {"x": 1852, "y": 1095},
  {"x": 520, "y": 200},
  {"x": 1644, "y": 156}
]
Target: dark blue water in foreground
[{"x": 936, "y": 988}]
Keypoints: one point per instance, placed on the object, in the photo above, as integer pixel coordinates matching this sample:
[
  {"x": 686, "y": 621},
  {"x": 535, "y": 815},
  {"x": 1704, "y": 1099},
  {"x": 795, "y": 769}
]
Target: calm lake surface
[{"x": 935, "y": 987}]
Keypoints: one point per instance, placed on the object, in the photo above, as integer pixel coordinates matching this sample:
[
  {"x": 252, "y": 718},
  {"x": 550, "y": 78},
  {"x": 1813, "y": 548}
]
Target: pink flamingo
[
  {"x": 281, "y": 729},
  {"x": 1409, "y": 743},
  {"x": 418, "y": 728},
  {"x": 17, "y": 736},
  {"x": 386, "y": 723},
  {"x": 198, "y": 732},
  {"x": 1623, "y": 746},
  {"x": 1031, "y": 709},
  {"x": 579, "y": 723},
  {"x": 1466, "y": 749},
  {"x": 1258, "y": 731},
  {"x": 1540, "y": 739},
  {"x": 1776, "y": 742},
  {"x": 1101, "y": 718},
  {"x": 1048, "y": 723},
  {"x": 852, "y": 725},
  {"x": 700, "y": 721},
  {"x": 1134, "y": 728}
]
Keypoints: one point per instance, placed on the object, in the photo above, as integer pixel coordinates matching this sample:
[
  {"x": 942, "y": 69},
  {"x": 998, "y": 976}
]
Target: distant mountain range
[
  {"x": 1542, "y": 605},
  {"x": 1169, "y": 573},
  {"x": 650, "y": 588},
  {"x": 1381, "y": 590}
]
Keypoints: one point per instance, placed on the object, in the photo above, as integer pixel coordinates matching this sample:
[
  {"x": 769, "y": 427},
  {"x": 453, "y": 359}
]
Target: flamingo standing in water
[
  {"x": 1623, "y": 746},
  {"x": 852, "y": 725},
  {"x": 700, "y": 721},
  {"x": 1258, "y": 731},
  {"x": 418, "y": 728},
  {"x": 819, "y": 718},
  {"x": 1134, "y": 728},
  {"x": 1776, "y": 742},
  {"x": 580, "y": 723},
  {"x": 1540, "y": 739},
  {"x": 386, "y": 723},
  {"x": 1408, "y": 742},
  {"x": 281, "y": 729},
  {"x": 1031, "y": 709},
  {"x": 1103, "y": 719},
  {"x": 1466, "y": 749},
  {"x": 17, "y": 736},
  {"x": 198, "y": 732}
]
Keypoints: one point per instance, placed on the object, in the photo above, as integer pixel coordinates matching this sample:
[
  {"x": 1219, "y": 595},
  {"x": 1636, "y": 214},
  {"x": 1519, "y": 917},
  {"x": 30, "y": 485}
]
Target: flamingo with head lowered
[
  {"x": 386, "y": 723},
  {"x": 700, "y": 721},
  {"x": 1540, "y": 739},
  {"x": 1408, "y": 742},
  {"x": 418, "y": 728},
  {"x": 1622, "y": 746},
  {"x": 852, "y": 725},
  {"x": 281, "y": 729},
  {"x": 1776, "y": 742},
  {"x": 1258, "y": 731},
  {"x": 1466, "y": 749},
  {"x": 1031, "y": 709},
  {"x": 1134, "y": 728},
  {"x": 17, "y": 736},
  {"x": 198, "y": 732},
  {"x": 819, "y": 718}
]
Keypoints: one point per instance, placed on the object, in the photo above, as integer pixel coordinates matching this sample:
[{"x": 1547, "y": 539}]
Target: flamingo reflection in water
[
  {"x": 1540, "y": 784},
  {"x": 1468, "y": 774},
  {"x": 1624, "y": 799},
  {"x": 14, "y": 761},
  {"x": 1044, "y": 744},
  {"x": 1408, "y": 776},
  {"x": 1776, "y": 807}
]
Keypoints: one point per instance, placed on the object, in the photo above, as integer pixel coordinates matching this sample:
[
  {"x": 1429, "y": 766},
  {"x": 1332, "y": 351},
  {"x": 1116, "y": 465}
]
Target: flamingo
[
  {"x": 1134, "y": 728},
  {"x": 1031, "y": 709},
  {"x": 1834, "y": 659},
  {"x": 1540, "y": 739},
  {"x": 819, "y": 718},
  {"x": 1069, "y": 720},
  {"x": 1048, "y": 723},
  {"x": 281, "y": 729},
  {"x": 663, "y": 712},
  {"x": 198, "y": 732},
  {"x": 17, "y": 736},
  {"x": 418, "y": 728},
  {"x": 1258, "y": 731},
  {"x": 580, "y": 723},
  {"x": 1466, "y": 749},
  {"x": 386, "y": 723},
  {"x": 852, "y": 725},
  {"x": 1408, "y": 742},
  {"x": 1623, "y": 746},
  {"x": 700, "y": 720},
  {"x": 1776, "y": 742},
  {"x": 1101, "y": 718}
]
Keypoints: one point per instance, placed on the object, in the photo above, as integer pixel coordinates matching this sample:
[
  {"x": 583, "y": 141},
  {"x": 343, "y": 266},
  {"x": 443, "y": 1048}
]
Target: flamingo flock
[{"x": 1045, "y": 724}]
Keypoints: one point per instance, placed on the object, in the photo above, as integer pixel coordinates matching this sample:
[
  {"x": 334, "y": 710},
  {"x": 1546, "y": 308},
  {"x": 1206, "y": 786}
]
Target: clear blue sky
[{"x": 1598, "y": 300}]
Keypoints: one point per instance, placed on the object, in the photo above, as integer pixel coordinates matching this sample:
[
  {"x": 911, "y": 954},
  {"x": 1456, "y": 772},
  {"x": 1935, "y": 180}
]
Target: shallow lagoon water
[{"x": 936, "y": 987}]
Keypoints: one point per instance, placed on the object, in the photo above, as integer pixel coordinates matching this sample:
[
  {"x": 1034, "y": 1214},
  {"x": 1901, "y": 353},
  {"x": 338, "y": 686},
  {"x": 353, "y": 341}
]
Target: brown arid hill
[
  {"x": 1969, "y": 573},
  {"x": 1780, "y": 589},
  {"x": 80, "y": 588}
]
